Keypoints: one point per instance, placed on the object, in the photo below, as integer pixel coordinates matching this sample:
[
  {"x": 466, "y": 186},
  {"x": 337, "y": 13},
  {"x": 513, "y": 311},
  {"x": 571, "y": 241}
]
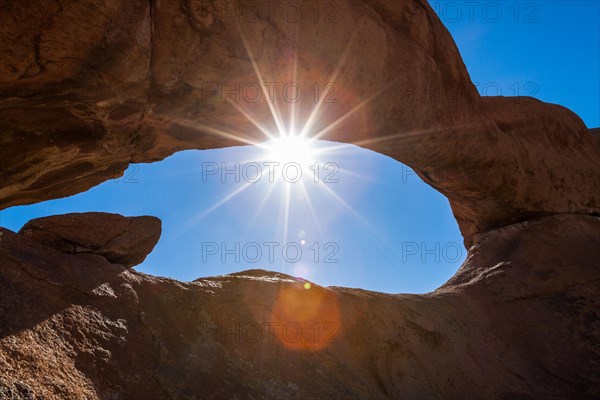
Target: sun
[
  {"x": 291, "y": 156},
  {"x": 289, "y": 149}
]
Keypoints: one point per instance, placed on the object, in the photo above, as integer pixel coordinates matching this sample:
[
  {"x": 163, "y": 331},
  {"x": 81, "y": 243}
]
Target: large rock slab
[
  {"x": 518, "y": 321},
  {"x": 121, "y": 240}
]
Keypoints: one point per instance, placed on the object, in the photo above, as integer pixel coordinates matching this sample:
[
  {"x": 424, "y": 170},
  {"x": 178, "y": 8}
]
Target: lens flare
[
  {"x": 291, "y": 136},
  {"x": 306, "y": 319}
]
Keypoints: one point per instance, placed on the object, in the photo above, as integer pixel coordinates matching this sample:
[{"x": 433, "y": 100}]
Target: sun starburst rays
[
  {"x": 290, "y": 143},
  {"x": 315, "y": 111},
  {"x": 270, "y": 101}
]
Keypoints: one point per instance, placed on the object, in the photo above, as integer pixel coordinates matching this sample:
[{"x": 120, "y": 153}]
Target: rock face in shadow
[
  {"x": 519, "y": 320},
  {"x": 88, "y": 87},
  {"x": 121, "y": 240},
  {"x": 596, "y": 135}
]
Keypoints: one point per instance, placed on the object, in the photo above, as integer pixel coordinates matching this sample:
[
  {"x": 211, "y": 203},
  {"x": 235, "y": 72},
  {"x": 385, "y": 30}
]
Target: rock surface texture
[
  {"x": 520, "y": 320},
  {"x": 121, "y": 240},
  {"x": 88, "y": 87}
]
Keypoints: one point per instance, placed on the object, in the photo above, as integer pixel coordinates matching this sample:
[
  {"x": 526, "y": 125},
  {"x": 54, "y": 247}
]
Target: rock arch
[{"x": 88, "y": 88}]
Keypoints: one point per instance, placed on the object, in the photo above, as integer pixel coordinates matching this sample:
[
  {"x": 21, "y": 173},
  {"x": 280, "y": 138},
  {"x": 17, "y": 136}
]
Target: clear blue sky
[
  {"x": 548, "y": 49},
  {"x": 393, "y": 233}
]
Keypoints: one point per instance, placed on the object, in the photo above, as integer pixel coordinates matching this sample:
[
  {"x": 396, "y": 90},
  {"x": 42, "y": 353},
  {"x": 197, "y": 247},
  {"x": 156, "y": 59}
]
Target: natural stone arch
[
  {"x": 92, "y": 87},
  {"x": 60, "y": 137}
]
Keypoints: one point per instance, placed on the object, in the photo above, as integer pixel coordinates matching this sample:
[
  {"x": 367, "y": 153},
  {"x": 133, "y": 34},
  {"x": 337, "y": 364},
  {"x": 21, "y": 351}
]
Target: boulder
[{"x": 121, "y": 240}]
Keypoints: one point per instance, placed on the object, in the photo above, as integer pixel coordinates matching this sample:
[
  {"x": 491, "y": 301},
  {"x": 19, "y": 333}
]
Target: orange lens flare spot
[{"x": 306, "y": 319}]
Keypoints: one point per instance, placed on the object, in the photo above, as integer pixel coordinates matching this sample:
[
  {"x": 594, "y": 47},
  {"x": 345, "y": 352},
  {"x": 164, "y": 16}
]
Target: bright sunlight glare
[
  {"x": 299, "y": 169},
  {"x": 290, "y": 149}
]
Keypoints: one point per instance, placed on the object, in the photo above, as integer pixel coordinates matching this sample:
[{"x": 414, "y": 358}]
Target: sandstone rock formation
[
  {"x": 88, "y": 87},
  {"x": 520, "y": 320},
  {"x": 121, "y": 240},
  {"x": 596, "y": 135}
]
